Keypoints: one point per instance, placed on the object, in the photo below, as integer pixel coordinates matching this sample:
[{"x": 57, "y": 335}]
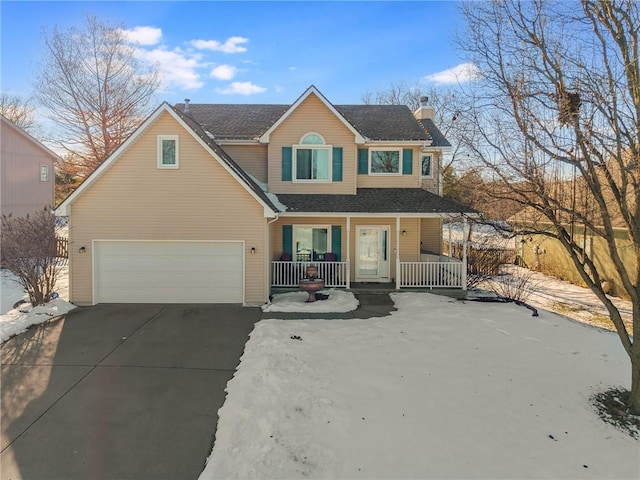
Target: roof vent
[
  {"x": 186, "y": 105},
  {"x": 424, "y": 101}
]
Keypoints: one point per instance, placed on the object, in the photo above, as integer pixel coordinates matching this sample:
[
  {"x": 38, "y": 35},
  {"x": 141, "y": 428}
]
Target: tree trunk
[{"x": 634, "y": 396}]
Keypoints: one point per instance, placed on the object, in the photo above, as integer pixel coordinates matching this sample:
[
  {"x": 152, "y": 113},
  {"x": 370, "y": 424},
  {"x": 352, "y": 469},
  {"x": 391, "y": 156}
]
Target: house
[
  {"x": 27, "y": 176},
  {"x": 222, "y": 203}
]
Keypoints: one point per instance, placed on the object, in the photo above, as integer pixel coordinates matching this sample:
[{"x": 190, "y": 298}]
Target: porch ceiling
[{"x": 375, "y": 200}]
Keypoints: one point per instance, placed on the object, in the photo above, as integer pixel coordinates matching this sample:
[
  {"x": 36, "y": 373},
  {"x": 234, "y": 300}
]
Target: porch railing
[
  {"x": 442, "y": 274},
  {"x": 289, "y": 274}
]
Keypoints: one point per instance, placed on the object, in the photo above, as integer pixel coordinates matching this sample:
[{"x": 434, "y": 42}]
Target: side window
[
  {"x": 44, "y": 173},
  {"x": 385, "y": 161},
  {"x": 426, "y": 169},
  {"x": 168, "y": 151}
]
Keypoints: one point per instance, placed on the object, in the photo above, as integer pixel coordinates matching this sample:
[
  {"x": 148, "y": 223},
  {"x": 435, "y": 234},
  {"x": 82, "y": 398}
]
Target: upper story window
[
  {"x": 426, "y": 168},
  {"x": 168, "y": 151},
  {"x": 312, "y": 159},
  {"x": 385, "y": 161},
  {"x": 44, "y": 173}
]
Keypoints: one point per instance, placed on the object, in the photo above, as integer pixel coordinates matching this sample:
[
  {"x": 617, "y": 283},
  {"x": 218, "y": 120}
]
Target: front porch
[{"x": 445, "y": 272}]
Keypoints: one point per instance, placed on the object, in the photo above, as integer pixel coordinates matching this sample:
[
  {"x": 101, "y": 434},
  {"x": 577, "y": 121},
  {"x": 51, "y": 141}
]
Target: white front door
[{"x": 372, "y": 254}]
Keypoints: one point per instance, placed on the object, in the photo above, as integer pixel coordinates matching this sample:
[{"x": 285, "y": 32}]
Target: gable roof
[
  {"x": 8, "y": 123},
  {"x": 375, "y": 200},
  {"x": 251, "y": 122},
  {"x": 200, "y": 135}
]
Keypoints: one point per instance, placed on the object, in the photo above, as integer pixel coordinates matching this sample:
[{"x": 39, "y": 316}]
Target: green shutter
[
  {"x": 286, "y": 163},
  {"x": 287, "y": 239},
  {"x": 363, "y": 161},
  {"x": 337, "y": 164},
  {"x": 407, "y": 161},
  {"x": 336, "y": 241}
]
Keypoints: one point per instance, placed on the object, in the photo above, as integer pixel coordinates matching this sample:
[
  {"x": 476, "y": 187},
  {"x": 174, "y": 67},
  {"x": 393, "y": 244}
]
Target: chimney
[
  {"x": 425, "y": 110},
  {"x": 186, "y": 105}
]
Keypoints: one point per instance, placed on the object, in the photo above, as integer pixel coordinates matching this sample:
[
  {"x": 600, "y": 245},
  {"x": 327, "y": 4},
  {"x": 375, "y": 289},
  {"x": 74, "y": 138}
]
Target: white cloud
[
  {"x": 143, "y": 35},
  {"x": 231, "y": 45},
  {"x": 463, "y": 73},
  {"x": 241, "y": 88},
  {"x": 224, "y": 72},
  {"x": 177, "y": 67}
]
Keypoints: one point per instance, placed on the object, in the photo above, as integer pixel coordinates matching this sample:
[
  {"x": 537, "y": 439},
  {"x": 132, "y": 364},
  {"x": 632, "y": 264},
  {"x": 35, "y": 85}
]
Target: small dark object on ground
[
  {"x": 611, "y": 406},
  {"x": 506, "y": 300},
  {"x": 322, "y": 296},
  {"x": 296, "y": 337},
  {"x": 18, "y": 303}
]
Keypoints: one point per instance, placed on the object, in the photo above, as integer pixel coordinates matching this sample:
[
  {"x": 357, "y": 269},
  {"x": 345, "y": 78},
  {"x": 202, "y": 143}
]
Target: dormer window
[
  {"x": 312, "y": 159},
  {"x": 168, "y": 151}
]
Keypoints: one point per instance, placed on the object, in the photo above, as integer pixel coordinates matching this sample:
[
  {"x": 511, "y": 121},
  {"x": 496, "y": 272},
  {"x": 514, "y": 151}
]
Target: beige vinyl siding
[
  {"x": 409, "y": 244},
  {"x": 134, "y": 200},
  {"x": 393, "y": 181},
  {"x": 22, "y": 192},
  {"x": 251, "y": 158},
  {"x": 431, "y": 234},
  {"x": 312, "y": 116}
]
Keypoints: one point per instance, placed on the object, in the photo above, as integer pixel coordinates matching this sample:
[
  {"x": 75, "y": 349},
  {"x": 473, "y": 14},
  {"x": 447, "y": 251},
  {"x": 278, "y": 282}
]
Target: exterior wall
[
  {"x": 312, "y": 116},
  {"x": 135, "y": 200},
  {"x": 393, "y": 181},
  {"x": 251, "y": 158},
  {"x": 431, "y": 234},
  {"x": 22, "y": 192},
  {"x": 552, "y": 259},
  {"x": 409, "y": 243}
]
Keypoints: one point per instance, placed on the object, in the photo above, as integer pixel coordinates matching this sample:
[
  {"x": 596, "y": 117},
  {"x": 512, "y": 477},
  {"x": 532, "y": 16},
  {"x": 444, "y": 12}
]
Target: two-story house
[
  {"x": 221, "y": 203},
  {"x": 26, "y": 172}
]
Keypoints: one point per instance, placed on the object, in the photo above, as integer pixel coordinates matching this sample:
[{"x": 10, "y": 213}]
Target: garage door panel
[{"x": 168, "y": 272}]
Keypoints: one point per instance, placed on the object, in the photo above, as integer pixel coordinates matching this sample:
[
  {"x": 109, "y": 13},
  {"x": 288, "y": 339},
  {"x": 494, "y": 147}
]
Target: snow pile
[
  {"x": 18, "y": 320},
  {"x": 339, "y": 301},
  {"x": 439, "y": 389},
  {"x": 12, "y": 292}
]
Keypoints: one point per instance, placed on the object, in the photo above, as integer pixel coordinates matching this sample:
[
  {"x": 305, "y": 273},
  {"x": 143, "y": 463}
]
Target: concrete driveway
[{"x": 119, "y": 391}]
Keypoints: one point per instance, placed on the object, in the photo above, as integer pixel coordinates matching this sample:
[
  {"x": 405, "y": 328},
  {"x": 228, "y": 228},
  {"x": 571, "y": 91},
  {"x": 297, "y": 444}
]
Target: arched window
[{"x": 312, "y": 159}]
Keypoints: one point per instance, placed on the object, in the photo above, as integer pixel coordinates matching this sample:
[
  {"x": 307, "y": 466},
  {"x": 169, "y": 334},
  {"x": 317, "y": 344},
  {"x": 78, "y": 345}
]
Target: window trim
[
  {"x": 44, "y": 168},
  {"x": 385, "y": 149},
  {"x": 176, "y": 139},
  {"x": 430, "y": 166},
  {"x": 311, "y": 146},
  {"x": 294, "y": 238}
]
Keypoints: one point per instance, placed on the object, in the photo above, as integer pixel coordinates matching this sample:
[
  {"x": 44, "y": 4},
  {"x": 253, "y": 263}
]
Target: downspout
[
  {"x": 397, "y": 253},
  {"x": 268, "y": 253},
  {"x": 348, "y": 252},
  {"x": 464, "y": 255}
]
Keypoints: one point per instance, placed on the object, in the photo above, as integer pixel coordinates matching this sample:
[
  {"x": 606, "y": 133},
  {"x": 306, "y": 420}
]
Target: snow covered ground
[
  {"x": 439, "y": 389},
  {"x": 338, "y": 301},
  {"x": 14, "y": 321}
]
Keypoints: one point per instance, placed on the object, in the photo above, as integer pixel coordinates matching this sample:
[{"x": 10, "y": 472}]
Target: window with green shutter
[{"x": 286, "y": 163}]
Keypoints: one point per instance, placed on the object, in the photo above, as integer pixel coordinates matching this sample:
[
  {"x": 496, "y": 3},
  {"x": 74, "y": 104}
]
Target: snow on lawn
[
  {"x": 338, "y": 301},
  {"x": 439, "y": 389},
  {"x": 15, "y": 321}
]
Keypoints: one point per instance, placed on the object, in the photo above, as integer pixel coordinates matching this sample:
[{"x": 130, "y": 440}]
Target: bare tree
[
  {"x": 29, "y": 252},
  {"x": 558, "y": 113},
  {"x": 17, "y": 110},
  {"x": 94, "y": 88}
]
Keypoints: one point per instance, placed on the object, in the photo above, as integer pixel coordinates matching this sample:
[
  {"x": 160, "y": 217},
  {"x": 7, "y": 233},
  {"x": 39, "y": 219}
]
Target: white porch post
[
  {"x": 397, "y": 253},
  {"x": 464, "y": 255},
  {"x": 348, "y": 252}
]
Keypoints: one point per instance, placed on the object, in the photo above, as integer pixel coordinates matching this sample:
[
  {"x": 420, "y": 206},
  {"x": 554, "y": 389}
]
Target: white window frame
[
  {"x": 294, "y": 247},
  {"x": 44, "y": 173},
  {"x": 176, "y": 139},
  {"x": 386, "y": 149},
  {"x": 311, "y": 146},
  {"x": 431, "y": 165}
]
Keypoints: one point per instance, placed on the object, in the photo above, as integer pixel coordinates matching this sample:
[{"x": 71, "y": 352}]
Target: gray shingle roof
[
  {"x": 198, "y": 130},
  {"x": 374, "y": 200},
  {"x": 375, "y": 122}
]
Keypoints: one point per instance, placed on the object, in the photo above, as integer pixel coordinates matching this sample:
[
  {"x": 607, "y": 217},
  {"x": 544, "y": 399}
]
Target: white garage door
[{"x": 168, "y": 272}]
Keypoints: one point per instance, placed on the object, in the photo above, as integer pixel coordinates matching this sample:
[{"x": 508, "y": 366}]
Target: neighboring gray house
[{"x": 27, "y": 176}]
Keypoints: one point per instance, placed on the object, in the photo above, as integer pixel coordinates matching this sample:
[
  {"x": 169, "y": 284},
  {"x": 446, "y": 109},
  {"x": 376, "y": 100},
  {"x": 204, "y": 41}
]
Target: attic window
[{"x": 168, "y": 151}]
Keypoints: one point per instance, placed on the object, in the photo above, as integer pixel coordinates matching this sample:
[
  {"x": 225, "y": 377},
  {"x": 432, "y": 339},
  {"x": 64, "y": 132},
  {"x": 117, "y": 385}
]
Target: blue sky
[{"x": 256, "y": 52}]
